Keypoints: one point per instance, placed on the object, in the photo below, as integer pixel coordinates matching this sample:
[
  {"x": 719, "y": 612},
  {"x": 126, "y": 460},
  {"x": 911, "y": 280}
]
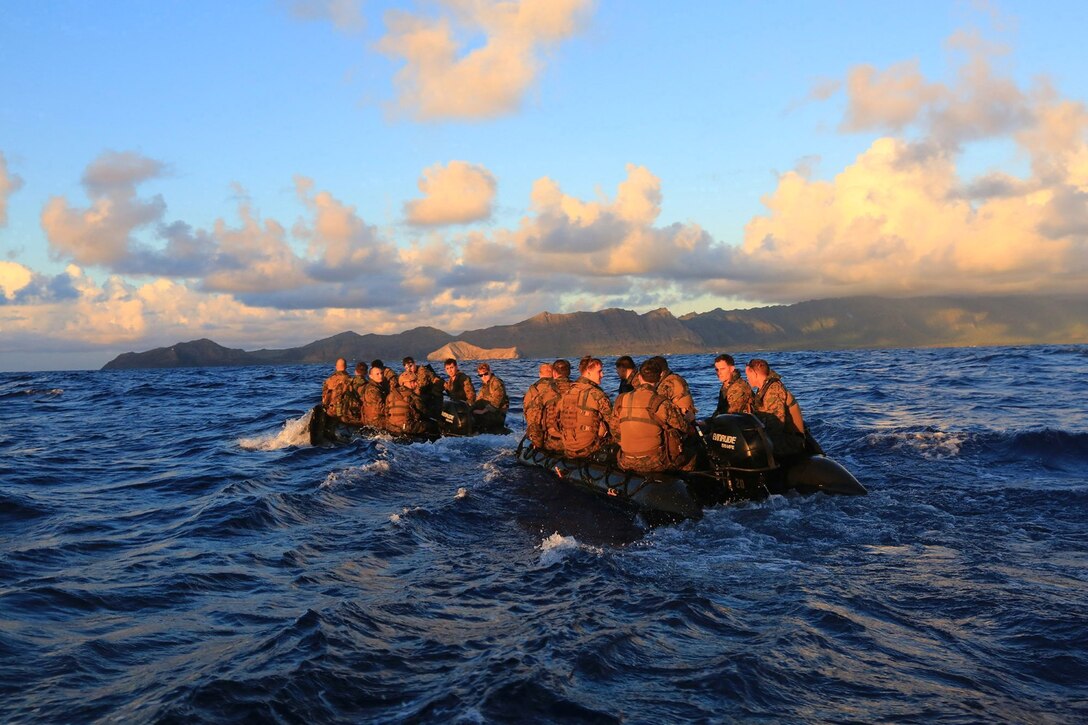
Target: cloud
[
  {"x": 457, "y": 193},
  {"x": 9, "y": 184},
  {"x": 346, "y": 15},
  {"x": 980, "y": 103},
  {"x": 449, "y": 76},
  {"x": 101, "y": 233}
]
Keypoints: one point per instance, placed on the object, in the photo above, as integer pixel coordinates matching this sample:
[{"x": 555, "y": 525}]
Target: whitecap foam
[
  {"x": 557, "y": 547},
  {"x": 932, "y": 445},
  {"x": 295, "y": 432}
]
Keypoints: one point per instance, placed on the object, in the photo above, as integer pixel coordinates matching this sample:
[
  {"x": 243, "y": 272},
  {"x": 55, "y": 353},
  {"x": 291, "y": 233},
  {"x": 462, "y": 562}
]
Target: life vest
[
  {"x": 640, "y": 435},
  {"x": 552, "y": 404},
  {"x": 333, "y": 391},
  {"x": 400, "y": 416},
  {"x": 373, "y": 408},
  {"x": 579, "y": 418}
]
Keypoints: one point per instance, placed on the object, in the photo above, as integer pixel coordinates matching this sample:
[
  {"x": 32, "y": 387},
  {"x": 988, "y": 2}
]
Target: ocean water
[{"x": 173, "y": 550}]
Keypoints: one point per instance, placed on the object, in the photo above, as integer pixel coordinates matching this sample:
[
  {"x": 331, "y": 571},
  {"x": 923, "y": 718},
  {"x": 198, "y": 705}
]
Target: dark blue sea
[{"x": 173, "y": 550}]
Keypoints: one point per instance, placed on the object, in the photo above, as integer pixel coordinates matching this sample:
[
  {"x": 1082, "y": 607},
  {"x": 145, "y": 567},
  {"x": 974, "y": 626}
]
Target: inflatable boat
[
  {"x": 456, "y": 419},
  {"x": 735, "y": 461}
]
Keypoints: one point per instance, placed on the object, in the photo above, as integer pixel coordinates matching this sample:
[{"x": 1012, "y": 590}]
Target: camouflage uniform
[
  {"x": 493, "y": 401},
  {"x": 675, "y": 388},
  {"x": 429, "y": 386},
  {"x": 537, "y": 397},
  {"x": 583, "y": 410},
  {"x": 460, "y": 387},
  {"x": 553, "y": 437},
  {"x": 373, "y": 405},
  {"x": 735, "y": 396},
  {"x": 352, "y": 402},
  {"x": 404, "y": 413},
  {"x": 649, "y": 429},
  {"x": 778, "y": 410},
  {"x": 333, "y": 392}
]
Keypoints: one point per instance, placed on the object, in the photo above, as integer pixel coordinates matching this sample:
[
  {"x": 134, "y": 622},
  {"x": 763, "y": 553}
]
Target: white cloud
[
  {"x": 457, "y": 193},
  {"x": 445, "y": 77}
]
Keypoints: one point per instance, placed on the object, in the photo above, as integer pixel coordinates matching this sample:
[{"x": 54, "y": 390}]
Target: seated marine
[
  {"x": 536, "y": 400},
  {"x": 491, "y": 402},
  {"x": 585, "y": 412},
  {"x": 458, "y": 385},
  {"x": 650, "y": 430},
  {"x": 334, "y": 390},
  {"x": 735, "y": 395},
  {"x": 776, "y": 408}
]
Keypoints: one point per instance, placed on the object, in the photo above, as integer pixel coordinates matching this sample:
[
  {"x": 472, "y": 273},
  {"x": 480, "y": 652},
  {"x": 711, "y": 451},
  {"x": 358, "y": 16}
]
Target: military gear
[
  {"x": 675, "y": 388},
  {"x": 780, "y": 413},
  {"x": 735, "y": 396},
  {"x": 537, "y": 398},
  {"x": 553, "y": 438},
  {"x": 460, "y": 387},
  {"x": 583, "y": 411},
  {"x": 333, "y": 391},
  {"x": 650, "y": 431},
  {"x": 404, "y": 413},
  {"x": 493, "y": 401},
  {"x": 373, "y": 405}
]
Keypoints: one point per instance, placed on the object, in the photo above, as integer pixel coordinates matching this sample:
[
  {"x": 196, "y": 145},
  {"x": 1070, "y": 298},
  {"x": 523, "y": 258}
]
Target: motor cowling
[
  {"x": 738, "y": 440},
  {"x": 456, "y": 418}
]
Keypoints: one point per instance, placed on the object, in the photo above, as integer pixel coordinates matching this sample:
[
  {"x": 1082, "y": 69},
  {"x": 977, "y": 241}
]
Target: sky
[{"x": 268, "y": 173}]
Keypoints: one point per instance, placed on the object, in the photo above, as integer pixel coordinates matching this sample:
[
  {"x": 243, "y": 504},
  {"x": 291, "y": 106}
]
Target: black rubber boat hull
[
  {"x": 736, "y": 464},
  {"x": 456, "y": 421}
]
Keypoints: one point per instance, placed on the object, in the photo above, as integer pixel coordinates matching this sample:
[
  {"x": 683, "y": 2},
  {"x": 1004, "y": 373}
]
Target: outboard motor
[
  {"x": 456, "y": 418},
  {"x": 738, "y": 440}
]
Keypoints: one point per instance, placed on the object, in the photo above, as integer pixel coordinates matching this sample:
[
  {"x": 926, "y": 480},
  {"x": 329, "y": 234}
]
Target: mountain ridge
[{"x": 833, "y": 323}]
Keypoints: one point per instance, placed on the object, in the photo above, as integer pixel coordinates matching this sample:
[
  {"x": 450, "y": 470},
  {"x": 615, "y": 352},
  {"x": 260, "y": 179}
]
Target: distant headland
[{"x": 830, "y": 324}]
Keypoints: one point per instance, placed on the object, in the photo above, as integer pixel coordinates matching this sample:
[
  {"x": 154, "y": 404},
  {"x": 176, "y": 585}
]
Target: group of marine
[
  {"x": 650, "y": 427},
  {"x": 411, "y": 403}
]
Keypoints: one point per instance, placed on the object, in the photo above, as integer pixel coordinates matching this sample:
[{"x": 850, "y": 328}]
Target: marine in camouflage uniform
[
  {"x": 553, "y": 437},
  {"x": 430, "y": 387},
  {"x": 676, "y": 389},
  {"x": 334, "y": 390},
  {"x": 735, "y": 395},
  {"x": 352, "y": 402},
  {"x": 491, "y": 402},
  {"x": 585, "y": 413},
  {"x": 650, "y": 431},
  {"x": 459, "y": 386},
  {"x": 536, "y": 400},
  {"x": 404, "y": 412},
  {"x": 777, "y": 409},
  {"x": 373, "y": 400}
]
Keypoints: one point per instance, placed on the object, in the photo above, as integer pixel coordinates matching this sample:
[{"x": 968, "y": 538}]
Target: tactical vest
[
  {"x": 794, "y": 422},
  {"x": 579, "y": 420},
  {"x": 373, "y": 404},
  {"x": 552, "y": 405},
  {"x": 336, "y": 386},
  {"x": 399, "y": 414},
  {"x": 640, "y": 435}
]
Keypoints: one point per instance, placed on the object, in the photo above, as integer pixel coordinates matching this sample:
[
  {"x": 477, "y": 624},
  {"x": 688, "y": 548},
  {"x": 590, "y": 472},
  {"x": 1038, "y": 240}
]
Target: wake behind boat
[{"x": 736, "y": 463}]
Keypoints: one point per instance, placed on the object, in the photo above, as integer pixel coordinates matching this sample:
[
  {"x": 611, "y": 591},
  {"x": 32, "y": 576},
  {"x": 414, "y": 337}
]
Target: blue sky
[{"x": 267, "y": 173}]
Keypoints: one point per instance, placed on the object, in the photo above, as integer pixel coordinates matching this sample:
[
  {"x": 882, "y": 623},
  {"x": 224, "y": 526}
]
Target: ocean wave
[
  {"x": 555, "y": 548},
  {"x": 295, "y": 433},
  {"x": 930, "y": 444}
]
